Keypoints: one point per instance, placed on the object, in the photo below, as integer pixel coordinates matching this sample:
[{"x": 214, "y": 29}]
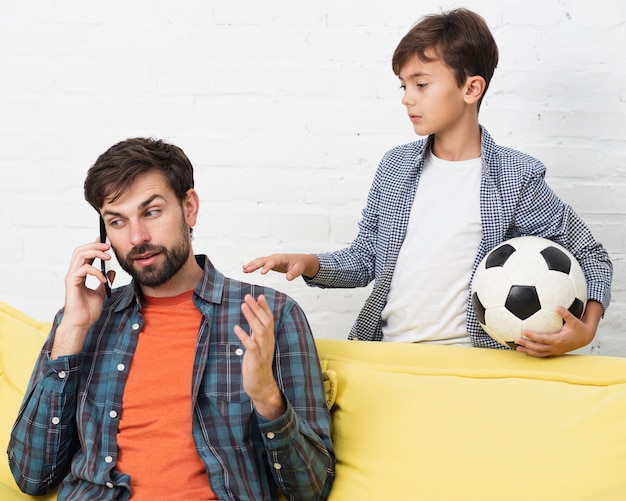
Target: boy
[{"x": 437, "y": 206}]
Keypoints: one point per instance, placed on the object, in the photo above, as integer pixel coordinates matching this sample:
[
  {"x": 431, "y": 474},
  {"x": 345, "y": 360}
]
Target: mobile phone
[{"x": 103, "y": 267}]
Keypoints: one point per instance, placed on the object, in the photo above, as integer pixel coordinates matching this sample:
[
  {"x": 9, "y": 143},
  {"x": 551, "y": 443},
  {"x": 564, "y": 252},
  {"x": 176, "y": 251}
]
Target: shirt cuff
[
  {"x": 279, "y": 432},
  {"x": 324, "y": 276},
  {"x": 61, "y": 373}
]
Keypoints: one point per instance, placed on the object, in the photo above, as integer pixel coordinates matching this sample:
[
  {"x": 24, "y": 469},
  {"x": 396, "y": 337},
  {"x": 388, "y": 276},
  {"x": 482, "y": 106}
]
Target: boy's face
[{"x": 434, "y": 101}]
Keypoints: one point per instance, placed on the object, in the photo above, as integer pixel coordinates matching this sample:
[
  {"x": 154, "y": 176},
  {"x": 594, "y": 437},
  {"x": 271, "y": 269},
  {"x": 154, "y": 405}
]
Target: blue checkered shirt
[
  {"x": 514, "y": 201},
  {"x": 67, "y": 426}
]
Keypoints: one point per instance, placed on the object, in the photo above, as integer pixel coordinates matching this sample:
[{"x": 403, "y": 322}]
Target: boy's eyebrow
[
  {"x": 414, "y": 75},
  {"x": 142, "y": 205}
]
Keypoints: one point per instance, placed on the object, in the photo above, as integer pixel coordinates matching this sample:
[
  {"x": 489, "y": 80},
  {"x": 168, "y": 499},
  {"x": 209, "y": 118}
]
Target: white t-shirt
[{"x": 427, "y": 301}]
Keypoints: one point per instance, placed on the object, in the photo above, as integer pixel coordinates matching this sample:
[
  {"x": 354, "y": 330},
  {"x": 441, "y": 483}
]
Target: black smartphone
[{"x": 103, "y": 268}]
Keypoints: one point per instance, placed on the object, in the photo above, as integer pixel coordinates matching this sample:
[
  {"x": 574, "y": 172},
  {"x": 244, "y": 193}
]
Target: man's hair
[
  {"x": 460, "y": 38},
  {"x": 117, "y": 168}
]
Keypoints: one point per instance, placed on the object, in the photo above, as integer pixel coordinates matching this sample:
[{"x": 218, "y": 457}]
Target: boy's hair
[
  {"x": 117, "y": 168},
  {"x": 460, "y": 38}
]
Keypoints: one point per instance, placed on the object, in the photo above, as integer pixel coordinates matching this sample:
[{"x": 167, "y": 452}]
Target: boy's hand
[
  {"x": 574, "y": 334},
  {"x": 293, "y": 265}
]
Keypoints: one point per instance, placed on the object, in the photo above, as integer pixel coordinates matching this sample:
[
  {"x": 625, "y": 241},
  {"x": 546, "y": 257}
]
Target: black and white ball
[{"x": 519, "y": 285}]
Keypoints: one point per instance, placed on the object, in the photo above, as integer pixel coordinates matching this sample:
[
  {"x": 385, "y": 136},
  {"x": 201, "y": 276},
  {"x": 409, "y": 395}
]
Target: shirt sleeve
[
  {"x": 41, "y": 443},
  {"x": 298, "y": 445},
  {"x": 541, "y": 212},
  {"x": 354, "y": 266}
]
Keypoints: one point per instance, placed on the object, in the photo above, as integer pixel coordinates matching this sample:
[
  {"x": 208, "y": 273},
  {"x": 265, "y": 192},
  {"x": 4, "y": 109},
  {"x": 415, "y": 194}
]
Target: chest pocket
[{"x": 223, "y": 377}]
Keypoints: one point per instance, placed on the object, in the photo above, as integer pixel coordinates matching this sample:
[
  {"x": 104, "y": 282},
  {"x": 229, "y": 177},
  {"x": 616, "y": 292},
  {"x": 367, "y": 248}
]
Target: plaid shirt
[
  {"x": 67, "y": 426},
  {"x": 514, "y": 201}
]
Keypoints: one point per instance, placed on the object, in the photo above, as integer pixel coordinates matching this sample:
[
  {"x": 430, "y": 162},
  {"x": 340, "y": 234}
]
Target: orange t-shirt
[{"x": 155, "y": 444}]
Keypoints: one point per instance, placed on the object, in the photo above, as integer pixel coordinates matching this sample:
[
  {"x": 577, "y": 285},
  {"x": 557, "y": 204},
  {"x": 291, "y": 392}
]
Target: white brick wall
[{"x": 285, "y": 108}]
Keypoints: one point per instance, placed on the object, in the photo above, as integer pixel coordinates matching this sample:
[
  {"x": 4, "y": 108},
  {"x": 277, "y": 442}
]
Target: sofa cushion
[
  {"x": 21, "y": 339},
  {"x": 439, "y": 422}
]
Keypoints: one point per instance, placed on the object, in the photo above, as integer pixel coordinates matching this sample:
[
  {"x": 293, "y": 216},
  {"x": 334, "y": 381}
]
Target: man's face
[
  {"x": 145, "y": 267},
  {"x": 149, "y": 231}
]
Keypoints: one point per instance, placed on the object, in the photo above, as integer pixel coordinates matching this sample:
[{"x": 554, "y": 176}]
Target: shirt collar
[{"x": 210, "y": 287}]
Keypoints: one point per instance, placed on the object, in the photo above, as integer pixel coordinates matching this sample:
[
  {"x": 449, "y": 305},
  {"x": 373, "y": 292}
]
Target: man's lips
[
  {"x": 146, "y": 259},
  {"x": 414, "y": 118}
]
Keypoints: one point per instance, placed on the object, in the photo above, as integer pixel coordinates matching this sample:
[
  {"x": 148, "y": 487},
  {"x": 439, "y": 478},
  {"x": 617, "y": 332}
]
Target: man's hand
[
  {"x": 293, "y": 265},
  {"x": 574, "y": 334},
  {"x": 258, "y": 378},
  {"x": 83, "y": 306}
]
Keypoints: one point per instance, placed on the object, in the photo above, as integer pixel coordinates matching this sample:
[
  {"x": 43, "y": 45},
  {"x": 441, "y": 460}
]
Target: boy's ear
[{"x": 474, "y": 89}]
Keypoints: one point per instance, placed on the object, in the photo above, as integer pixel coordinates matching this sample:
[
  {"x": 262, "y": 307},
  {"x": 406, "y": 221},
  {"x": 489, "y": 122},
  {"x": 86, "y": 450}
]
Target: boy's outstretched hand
[
  {"x": 574, "y": 334},
  {"x": 293, "y": 265}
]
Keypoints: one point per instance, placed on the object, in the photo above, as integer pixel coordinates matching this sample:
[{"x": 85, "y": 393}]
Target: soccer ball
[{"x": 520, "y": 283}]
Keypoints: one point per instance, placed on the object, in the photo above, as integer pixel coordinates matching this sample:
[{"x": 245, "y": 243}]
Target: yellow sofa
[{"x": 420, "y": 422}]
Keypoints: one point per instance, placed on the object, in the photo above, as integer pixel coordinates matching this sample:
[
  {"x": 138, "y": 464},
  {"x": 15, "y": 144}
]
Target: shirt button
[
  {"x": 108, "y": 459},
  {"x": 135, "y": 327},
  {"x": 109, "y": 485},
  {"x": 270, "y": 435},
  {"x": 55, "y": 420},
  {"x": 113, "y": 414},
  {"x": 62, "y": 374},
  {"x": 277, "y": 466},
  {"x": 121, "y": 367},
  {"x": 239, "y": 351}
]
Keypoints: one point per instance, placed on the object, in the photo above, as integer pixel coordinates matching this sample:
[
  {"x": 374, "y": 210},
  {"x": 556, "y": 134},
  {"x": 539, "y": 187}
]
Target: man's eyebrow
[
  {"x": 151, "y": 199},
  {"x": 142, "y": 205}
]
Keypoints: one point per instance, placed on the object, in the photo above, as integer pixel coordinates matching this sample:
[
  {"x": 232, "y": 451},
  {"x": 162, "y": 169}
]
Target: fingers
[
  {"x": 266, "y": 264},
  {"x": 568, "y": 338},
  {"x": 534, "y": 347},
  {"x": 567, "y": 315},
  {"x": 543, "y": 345},
  {"x": 295, "y": 270},
  {"x": 261, "y": 322},
  {"x": 88, "y": 253},
  {"x": 82, "y": 264},
  {"x": 258, "y": 314},
  {"x": 282, "y": 263},
  {"x": 83, "y": 304}
]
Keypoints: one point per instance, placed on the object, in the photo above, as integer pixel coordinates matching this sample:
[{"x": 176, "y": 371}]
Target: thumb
[{"x": 567, "y": 315}]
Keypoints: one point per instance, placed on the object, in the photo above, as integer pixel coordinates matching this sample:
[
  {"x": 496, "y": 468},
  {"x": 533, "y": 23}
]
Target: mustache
[{"x": 145, "y": 249}]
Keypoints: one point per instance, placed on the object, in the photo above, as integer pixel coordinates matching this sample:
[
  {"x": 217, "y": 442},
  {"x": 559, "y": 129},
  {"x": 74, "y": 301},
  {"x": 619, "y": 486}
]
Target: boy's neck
[{"x": 462, "y": 143}]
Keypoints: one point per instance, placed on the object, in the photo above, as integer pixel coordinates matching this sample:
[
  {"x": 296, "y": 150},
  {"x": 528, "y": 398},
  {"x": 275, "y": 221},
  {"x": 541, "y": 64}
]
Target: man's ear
[
  {"x": 191, "y": 206},
  {"x": 474, "y": 89}
]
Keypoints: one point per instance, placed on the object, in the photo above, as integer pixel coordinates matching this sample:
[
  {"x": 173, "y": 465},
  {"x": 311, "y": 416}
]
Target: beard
[{"x": 155, "y": 275}]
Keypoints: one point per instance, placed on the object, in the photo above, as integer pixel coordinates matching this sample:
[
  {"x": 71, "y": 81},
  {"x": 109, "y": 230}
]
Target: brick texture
[{"x": 285, "y": 109}]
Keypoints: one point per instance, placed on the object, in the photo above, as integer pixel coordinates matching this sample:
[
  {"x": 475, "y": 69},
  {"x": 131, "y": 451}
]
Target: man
[{"x": 161, "y": 391}]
